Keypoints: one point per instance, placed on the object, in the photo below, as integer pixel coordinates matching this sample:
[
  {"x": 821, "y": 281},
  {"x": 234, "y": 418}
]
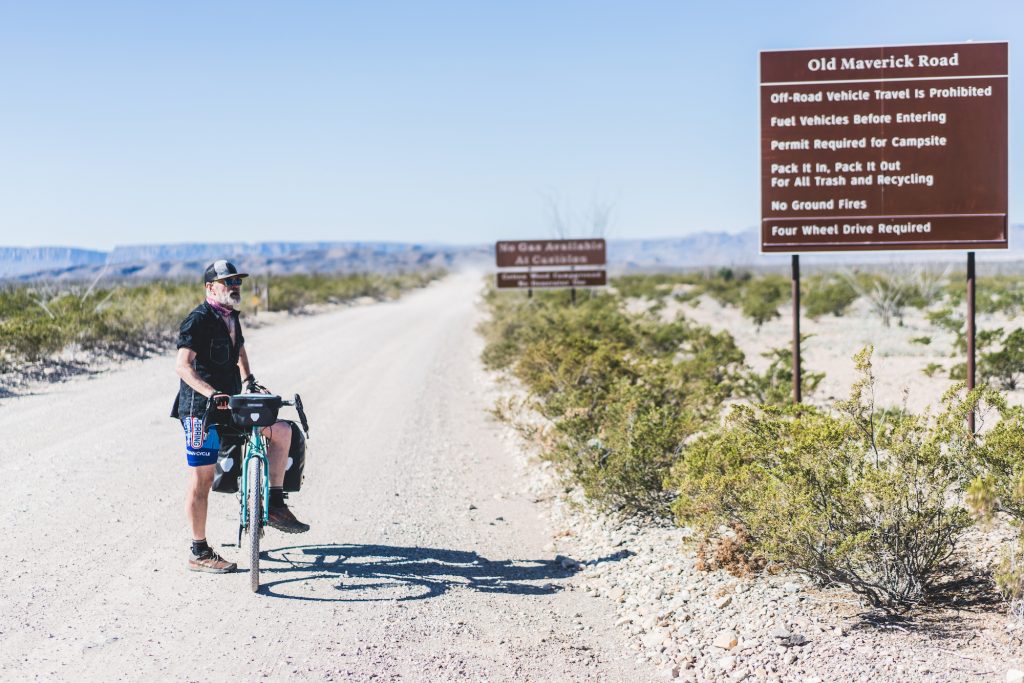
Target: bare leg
[
  {"x": 280, "y": 436},
  {"x": 200, "y": 481}
]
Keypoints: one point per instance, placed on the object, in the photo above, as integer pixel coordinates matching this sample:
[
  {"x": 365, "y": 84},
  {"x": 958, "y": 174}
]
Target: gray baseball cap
[{"x": 218, "y": 270}]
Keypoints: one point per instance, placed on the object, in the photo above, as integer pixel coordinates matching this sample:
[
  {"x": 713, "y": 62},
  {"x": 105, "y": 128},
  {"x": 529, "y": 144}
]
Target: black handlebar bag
[{"x": 254, "y": 410}]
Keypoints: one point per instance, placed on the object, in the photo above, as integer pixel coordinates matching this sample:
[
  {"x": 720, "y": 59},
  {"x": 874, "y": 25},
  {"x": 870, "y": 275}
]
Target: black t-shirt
[{"x": 216, "y": 360}]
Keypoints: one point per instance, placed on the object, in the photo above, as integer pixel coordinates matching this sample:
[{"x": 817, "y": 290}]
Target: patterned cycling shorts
[{"x": 198, "y": 451}]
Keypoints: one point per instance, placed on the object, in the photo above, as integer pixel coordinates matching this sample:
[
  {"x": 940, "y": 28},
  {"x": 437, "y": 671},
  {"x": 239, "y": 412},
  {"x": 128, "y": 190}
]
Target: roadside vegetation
[
  {"x": 41, "y": 320},
  {"x": 655, "y": 416}
]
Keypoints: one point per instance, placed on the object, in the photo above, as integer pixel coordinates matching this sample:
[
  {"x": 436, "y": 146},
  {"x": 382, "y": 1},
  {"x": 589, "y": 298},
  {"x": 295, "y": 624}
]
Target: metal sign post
[
  {"x": 970, "y": 332},
  {"x": 797, "y": 378}
]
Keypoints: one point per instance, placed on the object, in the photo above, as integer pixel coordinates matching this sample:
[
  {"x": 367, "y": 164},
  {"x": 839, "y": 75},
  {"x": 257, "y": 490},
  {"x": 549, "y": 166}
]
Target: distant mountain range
[
  {"x": 707, "y": 249},
  {"x": 183, "y": 261}
]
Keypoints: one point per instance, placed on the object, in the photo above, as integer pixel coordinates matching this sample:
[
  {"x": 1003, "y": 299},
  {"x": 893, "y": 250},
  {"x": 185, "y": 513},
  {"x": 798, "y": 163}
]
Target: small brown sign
[
  {"x": 539, "y": 279},
  {"x": 550, "y": 253},
  {"x": 884, "y": 148}
]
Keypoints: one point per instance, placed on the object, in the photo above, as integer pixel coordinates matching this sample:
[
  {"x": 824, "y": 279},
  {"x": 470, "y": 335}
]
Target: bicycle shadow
[{"x": 374, "y": 573}]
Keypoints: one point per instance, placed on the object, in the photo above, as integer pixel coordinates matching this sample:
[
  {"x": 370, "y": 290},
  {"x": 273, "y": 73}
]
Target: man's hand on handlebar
[
  {"x": 220, "y": 400},
  {"x": 254, "y": 387}
]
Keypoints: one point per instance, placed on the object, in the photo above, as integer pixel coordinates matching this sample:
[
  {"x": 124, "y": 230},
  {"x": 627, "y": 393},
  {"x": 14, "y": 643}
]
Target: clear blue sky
[{"x": 143, "y": 122}]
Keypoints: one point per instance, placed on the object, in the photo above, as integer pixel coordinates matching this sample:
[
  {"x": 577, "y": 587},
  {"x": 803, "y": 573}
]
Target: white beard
[{"x": 228, "y": 299}]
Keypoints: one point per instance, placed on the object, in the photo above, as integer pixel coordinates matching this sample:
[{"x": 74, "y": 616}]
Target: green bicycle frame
[{"x": 255, "y": 449}]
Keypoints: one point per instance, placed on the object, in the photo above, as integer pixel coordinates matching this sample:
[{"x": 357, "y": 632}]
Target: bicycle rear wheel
[{"x": 255, "y": 500}]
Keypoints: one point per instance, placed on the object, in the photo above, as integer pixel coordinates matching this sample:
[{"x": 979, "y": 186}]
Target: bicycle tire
[{"x": 255, "y": 495}]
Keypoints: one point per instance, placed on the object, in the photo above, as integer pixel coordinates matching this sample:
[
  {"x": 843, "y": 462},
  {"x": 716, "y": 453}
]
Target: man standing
[{"x": 211, "y": 363}]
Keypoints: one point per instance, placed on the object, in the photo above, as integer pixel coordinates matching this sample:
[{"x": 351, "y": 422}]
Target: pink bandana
[
  {"x": 225, "y": 314},
  {"x": 222, "y": 310}
]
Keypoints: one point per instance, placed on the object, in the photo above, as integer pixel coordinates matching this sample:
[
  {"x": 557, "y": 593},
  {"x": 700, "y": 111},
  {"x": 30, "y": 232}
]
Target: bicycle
[{"x": 253, "y": 412}]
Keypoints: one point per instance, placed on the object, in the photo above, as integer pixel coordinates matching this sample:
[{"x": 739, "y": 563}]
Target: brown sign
[
  {"x": 548, "y": 253},
  {"x": 538, "y": 279},
  {"x": 884, "y": 148}
]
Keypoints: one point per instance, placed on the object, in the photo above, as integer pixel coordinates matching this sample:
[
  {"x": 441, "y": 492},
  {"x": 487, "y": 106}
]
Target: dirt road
[{"x": 425, "y": 561}]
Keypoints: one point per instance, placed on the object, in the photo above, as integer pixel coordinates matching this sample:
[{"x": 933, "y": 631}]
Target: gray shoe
[{"x": 211, "y": 562}]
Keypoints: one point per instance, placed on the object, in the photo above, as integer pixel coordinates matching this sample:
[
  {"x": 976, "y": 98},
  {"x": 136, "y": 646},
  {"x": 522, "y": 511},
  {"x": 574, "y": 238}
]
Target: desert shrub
[
  {"x": 293, "y": 292},
  {"x": 951, "y": 321},
  {"x": 1000, "y": 354},
  {"x": 827, "y": 295},
  {"x": 725, "y": 286},
  {"x": 624, "y": 464},
  {"x": 958, "y": 372},
  {"x": 998, "y": 483},
  {"x": 29, "y": 338},
  {"x": 730, "y": 552},
  {"x": 621, "y": 391},
  {"x": 762, "y": 297},
  {"x": 887, "y": 294},
  {"x": 925, "y": 287},
  {"x": 652, "y": 286},
  {"x": 40, "y": 320},
  {"x": 1009, "y": 577},
  {"x": 998, "y": 487},
  {"x": 774, "y": 386},
  {"x": 849, "y": 497},
  {"x": 1004, "y": 365},
  {"x": 993, "y": 294}
]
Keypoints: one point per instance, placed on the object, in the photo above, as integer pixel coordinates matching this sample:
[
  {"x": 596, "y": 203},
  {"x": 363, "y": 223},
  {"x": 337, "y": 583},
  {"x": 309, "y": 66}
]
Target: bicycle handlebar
[
  {"x": 295, "y": 402},
  {"x": 302, "y": 415}
]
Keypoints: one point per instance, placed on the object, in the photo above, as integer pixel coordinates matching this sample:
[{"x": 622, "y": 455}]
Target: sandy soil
[{"x": 425, "y": 562}]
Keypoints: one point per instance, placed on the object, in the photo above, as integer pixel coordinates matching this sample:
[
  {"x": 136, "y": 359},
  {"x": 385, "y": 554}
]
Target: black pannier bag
[
  {"x": 229, "y": 460},
  {"x": 296, "y": 460},
  {"x": 254, "y": 410}
]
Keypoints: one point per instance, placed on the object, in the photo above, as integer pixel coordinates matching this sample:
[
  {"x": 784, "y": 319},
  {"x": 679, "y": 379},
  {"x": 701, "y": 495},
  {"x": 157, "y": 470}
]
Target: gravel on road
[{"x": 425, "y": 562}]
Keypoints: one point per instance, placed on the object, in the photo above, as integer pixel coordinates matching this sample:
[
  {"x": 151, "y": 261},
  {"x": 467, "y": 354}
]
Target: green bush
[
  {"x": 887, "y": 294},
  {"x": 853, "y": 497},
  {"x": 925, "y": 288},
  {"x": 993, "y": 294},
  {"x": 1005, "y": 365},
  {"x": 621, "y": 391},
  {"x": 654, "y": 286},
  {"x": 293, "y": 292},
  {"x": 827, "y": 295},
  {"x": 875, "y": 499},
  {"x": 39, "y": 321},
  {"x": 623, "y": 464},
  {"x": 775, "y": 385},
  {"x": 726, "y": 286},
  {"x": 762, "y": 297},
  {"x": 998, "y": 487}
]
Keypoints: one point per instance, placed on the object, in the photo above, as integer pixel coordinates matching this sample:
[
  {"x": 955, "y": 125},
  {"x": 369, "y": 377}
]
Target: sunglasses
[{"x": 232, "y": 281}]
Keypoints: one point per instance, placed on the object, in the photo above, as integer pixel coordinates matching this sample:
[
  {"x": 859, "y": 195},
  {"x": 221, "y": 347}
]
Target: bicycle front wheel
[{"x": 255, "y": 500}]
